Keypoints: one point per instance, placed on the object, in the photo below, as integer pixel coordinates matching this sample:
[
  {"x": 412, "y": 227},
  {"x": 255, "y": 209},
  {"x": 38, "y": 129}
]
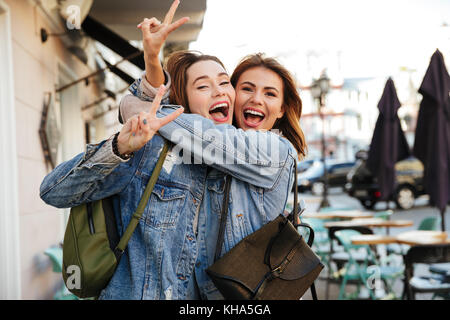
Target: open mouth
[
  {"x": 253, "y": 117},
  {"x": 220, "y": 111}
]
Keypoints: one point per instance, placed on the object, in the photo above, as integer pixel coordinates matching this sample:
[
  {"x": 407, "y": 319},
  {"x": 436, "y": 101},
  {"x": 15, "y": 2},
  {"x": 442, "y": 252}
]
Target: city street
[{"x": 338, "y": 198}]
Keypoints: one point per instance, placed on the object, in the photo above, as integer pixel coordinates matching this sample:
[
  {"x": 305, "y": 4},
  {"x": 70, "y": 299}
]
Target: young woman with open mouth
[{"x": 175, "y": 241}]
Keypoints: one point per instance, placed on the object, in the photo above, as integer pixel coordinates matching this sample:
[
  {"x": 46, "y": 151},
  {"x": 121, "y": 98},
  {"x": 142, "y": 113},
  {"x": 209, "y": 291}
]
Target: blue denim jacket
[{"x": 176, "y": 238}]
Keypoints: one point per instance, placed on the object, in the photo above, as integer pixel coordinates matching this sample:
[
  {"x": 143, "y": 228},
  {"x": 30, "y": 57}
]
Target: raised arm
[{"x": 154, "y": 34}]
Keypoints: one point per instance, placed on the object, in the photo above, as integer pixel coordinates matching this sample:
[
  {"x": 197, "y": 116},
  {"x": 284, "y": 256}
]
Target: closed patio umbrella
[
  {"x": 388, "y": 144},
  {"x": 432, "y": 138}
]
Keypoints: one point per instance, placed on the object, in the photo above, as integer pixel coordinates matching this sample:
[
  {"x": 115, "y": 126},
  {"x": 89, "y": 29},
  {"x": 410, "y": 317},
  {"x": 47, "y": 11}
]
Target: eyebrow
[
  {"x": 207, "y": 77},
  {"x": 253, "y": 85}
]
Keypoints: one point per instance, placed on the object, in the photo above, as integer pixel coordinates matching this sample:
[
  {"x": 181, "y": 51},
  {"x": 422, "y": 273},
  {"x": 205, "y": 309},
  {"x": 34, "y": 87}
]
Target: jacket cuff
[
  {"x": 104, "y": 155},
  {"x": 151, "y": 91}
]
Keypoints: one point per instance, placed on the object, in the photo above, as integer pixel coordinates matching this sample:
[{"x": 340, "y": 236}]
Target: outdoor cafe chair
[
  {"x": 55, "y": 254},
  {"x": 321, "y": 245},
  {"x": 430, "y": 223},
  {"x": 438, "y": 284},
  {"x": 385, "y": 215},
  {"x": 442, "y": 269},
  {"x": 338, "y": 257},
  {"x": 361, "y": 271}
]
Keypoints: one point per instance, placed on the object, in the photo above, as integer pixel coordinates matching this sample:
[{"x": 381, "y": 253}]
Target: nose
[
  {"x": 257, "y": 97},
  {"x": 218, "y": 91}
]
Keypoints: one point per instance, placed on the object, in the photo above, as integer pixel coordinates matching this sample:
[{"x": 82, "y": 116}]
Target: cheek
[
  {"x": 232, "y": 95},
  {"x": 240, "y": 101},
  {"x": 198, "y": 103},
  {"x": 277, "y": 110}
]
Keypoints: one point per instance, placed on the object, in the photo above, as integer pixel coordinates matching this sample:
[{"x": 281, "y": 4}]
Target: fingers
[
  {"x": 157, "y": 101},
  {"x": 147, "y": 25},
  {"x": 144, "y": 123},
  {"x": 170, "y": 117},
  {"x": 169, "y": 16},
  {"x": 149, "y": 22},
  {"x": 177, "y": 24},
  {"x": 134, "y": 125}
]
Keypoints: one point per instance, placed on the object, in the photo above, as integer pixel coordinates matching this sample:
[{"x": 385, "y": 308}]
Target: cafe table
[
  {"x": 339, "y": 214},
  {"x": 371, "y": 223},
  {"x": 415, "y": 237}
]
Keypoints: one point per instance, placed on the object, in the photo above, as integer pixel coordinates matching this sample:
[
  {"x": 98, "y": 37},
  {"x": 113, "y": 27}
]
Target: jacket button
[{"x": 195, "y": 201}]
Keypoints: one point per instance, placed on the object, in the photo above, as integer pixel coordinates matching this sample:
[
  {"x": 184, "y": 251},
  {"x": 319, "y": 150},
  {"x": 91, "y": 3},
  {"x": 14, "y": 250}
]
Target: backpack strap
[{"x": 143, "y": 202}]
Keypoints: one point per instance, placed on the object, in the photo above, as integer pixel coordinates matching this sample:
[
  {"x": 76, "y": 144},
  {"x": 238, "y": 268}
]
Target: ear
[{"x": 281, "y": 112}]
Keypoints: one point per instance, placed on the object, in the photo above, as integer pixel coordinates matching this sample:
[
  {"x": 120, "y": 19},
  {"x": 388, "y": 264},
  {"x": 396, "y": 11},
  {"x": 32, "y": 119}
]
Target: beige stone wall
[{"x": 35, "y": 66}]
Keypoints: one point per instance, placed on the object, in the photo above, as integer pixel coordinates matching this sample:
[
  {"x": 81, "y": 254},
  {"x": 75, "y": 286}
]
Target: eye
[
  {"x": 271, "y": 94},
  {"x": 202, "y": 87},
  {"x": 247, "y": 89},
  {"x": 224, "y": 83}
]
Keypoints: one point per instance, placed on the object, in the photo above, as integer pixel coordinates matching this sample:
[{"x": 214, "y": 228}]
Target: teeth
[
  {"x": 256, "y": 113},
  {"x": 221, "y": 105}
]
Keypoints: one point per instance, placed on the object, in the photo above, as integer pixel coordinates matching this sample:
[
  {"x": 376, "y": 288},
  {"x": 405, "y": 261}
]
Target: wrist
[
  {"x": 120, "y": 149},
  {"x": 152, "y": 61}
]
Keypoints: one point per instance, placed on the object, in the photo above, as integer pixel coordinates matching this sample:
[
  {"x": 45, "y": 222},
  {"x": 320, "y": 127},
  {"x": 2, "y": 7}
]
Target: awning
[{"x": 113, "y": 41}]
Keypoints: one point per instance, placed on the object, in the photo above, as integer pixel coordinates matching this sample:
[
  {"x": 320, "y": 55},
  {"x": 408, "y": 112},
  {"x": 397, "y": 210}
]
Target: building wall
[{"x": 37, "y": 67}]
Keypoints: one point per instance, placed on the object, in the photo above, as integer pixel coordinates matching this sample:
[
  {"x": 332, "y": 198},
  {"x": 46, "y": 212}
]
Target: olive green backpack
[{"x": 92, "y": 247}]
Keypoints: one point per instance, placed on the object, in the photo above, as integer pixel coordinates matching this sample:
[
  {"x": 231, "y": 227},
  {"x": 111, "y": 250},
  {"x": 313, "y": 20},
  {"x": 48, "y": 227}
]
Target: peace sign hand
[
  {"x": 154, "y": 32},
  {"x": 139, "y": 129}
]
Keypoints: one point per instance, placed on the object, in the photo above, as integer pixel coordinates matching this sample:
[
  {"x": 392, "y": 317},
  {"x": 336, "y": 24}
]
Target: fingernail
[
  {"x": 134, "y": 134},
  {"x": 145, "y": 121}
]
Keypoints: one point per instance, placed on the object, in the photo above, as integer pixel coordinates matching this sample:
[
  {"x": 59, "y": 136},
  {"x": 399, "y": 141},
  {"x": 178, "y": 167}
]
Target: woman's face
[
  {"x": 210, "y": 92},
  {"x": 259, "y": 99}
]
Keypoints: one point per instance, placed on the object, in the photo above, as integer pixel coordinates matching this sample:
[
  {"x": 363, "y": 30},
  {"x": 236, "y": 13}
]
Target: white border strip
[{"x": 10, "y": 270}]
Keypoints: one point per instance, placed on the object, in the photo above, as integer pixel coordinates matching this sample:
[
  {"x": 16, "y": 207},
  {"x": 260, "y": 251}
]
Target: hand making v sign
[
  {"x": 154, "y": 33},
  {"x": 139, "y": 129}
]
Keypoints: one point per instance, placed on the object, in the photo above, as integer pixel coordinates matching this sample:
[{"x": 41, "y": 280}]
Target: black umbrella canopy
[
  {"x": 432, "y": 138},
  {"x": 388, "y": 144}
]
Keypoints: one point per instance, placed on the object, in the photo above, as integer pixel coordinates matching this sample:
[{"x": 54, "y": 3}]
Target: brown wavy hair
[
  {"x": 289, "y": 124},
  {"x": 177, "y": 65}
]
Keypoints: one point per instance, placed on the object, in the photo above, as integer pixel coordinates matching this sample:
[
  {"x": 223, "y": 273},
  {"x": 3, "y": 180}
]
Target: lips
[
  {"x": 219, "y": 111},
  {"x": 253, "y": 117}
]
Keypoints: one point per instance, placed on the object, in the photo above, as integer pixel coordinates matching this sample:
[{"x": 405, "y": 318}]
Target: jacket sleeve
[
  {"x": 256, "y": 157},
  {"x": 142, "y": 89},
  {"x": 89, "y": 176}
]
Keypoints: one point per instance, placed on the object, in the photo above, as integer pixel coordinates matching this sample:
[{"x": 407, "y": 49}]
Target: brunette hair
[
  {"x": 177, "y": 65},
  {"x": 289, "y": 124}
]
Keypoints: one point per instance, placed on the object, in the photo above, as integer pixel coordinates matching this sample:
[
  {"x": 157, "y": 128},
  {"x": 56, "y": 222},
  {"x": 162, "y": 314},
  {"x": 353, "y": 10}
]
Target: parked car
[
  {"x": 302, "y": 166},
  {"x": 313, "y": 178},
  {"x": 362, "y": 185}
]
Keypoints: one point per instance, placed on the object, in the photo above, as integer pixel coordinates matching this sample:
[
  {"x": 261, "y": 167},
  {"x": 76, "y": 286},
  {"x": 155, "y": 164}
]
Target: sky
[{"x": 349, "y": 38}]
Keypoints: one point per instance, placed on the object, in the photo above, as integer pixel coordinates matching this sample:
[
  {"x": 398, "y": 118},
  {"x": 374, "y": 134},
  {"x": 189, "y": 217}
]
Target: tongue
[
  {"x": 218, "y": 115},
  {"x": 253, "y": 118}
]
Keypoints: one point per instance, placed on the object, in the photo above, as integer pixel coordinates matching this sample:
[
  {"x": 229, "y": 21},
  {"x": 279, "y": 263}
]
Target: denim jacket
[{"x": 176, "y": 238}]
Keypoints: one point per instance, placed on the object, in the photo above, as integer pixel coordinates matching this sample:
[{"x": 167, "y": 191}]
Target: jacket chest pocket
[
  {"x": 216, "y": 193},
  {"x": 165, "y": 206}
]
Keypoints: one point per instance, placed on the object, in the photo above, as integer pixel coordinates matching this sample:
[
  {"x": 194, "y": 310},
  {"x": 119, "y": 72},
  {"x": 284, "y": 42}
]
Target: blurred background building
[{"x": 49, "y": 110}]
